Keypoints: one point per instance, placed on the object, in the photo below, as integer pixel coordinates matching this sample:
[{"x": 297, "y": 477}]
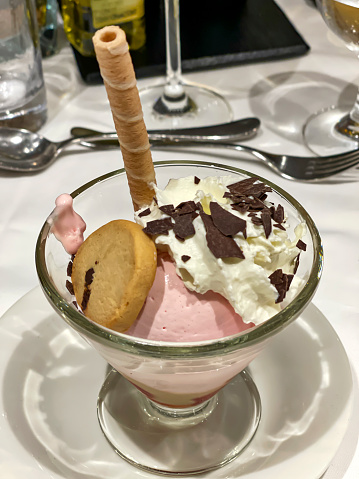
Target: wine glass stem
[
  {"x": 348, "y": 125},
  {"x": 174, "y": 87}
]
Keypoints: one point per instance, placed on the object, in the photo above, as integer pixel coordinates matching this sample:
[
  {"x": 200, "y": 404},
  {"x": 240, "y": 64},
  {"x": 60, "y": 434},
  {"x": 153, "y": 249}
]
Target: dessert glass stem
[{"x": 178, "y": 417}]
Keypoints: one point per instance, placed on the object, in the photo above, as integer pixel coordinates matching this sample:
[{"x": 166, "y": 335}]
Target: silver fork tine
[
  {"x": 334, "y": 167},
  {"x": 314, "y": 167},
  {"x": 323, "y": 161},
  {"x": 326, "y": 174},
  {"x": 303, "y": 168},
  {"x": 346, "y": 166},
  {"x": 288, "y": 166}
]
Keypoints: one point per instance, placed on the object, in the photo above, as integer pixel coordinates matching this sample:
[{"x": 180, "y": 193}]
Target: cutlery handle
[{"x": 238, "y": 130}]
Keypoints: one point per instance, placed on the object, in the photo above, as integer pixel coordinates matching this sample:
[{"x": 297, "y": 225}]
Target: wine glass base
[
  {"x": 189, "y": 443},
  {"x": 321, "y": 136},
  {"x": 205, "y": 107}
]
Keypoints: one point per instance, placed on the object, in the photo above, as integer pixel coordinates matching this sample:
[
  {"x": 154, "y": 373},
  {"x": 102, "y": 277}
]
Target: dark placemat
[{"x": 213, "y": 35}]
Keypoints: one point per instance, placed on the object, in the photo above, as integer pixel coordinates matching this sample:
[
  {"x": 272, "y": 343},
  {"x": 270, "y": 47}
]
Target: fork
[
  {"x": 311, "y": 168},
  {"x": 304, "y": 168}
]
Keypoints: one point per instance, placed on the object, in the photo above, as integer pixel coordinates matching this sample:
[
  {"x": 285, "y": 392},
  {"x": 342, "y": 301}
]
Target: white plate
[{"x": 50, "y": 379}]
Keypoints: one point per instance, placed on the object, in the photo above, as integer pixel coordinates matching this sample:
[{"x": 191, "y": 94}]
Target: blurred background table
[{"x": 283, "y": 94}]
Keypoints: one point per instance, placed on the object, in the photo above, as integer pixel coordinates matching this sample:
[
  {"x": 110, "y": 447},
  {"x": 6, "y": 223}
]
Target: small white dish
[{"x": 51, "y": 378}]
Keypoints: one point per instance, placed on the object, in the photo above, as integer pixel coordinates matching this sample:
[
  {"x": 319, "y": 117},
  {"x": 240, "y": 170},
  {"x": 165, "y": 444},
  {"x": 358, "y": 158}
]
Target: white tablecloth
[{"x": 282, "y": 94}]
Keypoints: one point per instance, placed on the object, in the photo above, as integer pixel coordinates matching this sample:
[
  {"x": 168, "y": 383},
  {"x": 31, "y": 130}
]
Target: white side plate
[{"x": 50, "y": 379}]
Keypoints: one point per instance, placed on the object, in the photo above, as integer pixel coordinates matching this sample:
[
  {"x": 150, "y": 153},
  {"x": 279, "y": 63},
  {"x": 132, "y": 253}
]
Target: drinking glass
[
  {"x": 335, "y": 129},
  {"x": 22, "y": 89},
  {"x": 178, "y": 103},
  {"x": 172, "y": 407}
]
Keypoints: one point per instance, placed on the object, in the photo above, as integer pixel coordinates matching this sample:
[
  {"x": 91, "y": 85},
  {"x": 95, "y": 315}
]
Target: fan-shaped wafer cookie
[
  {"x": 112, "y": 273},
  {"x": 117, "y": 71}
]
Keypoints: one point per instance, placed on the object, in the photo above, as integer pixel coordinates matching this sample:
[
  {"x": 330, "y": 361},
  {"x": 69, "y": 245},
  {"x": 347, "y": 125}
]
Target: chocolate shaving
[
  {"x": 183, "y": 226},
  {"x": 257, "y": 204},
  {"x": 199, "y": 207},
  {"x": 249, "y": 187},
  {"x": 267, "y": 222},
  {"x": 69, "y": 268},
  {"x": 220, "y": 245},
  {"x": 276, "y": 277},
  {"x": 290, "y": 279},
  {"x": 258, "y": 189},
  {"x": 241, "y": 187},
  {"x": 226, "y": 222},
  {"x": 196, "y": 180},
  {"x": 301, "y": 245},
  {"x": 256, "y": 220},
  {"x": 296, "y": 264},
  {"x": 281, "y": 227},
  {"x": 145, "y": 212},
  {"x": 247, "y": 196},
  {"x": 242, "y": 208},
  {"x": 278, "y": 214},
  {"x": 186, "y": 207},
  {"x": 281, "y": 282},
  {"x": 281, "y": 295},
  {"x": 185, "y": 258},
  {"x": 69, "y": 287},
  {"x": 246, "y": 203},
  {"x": 168, "y": 210},
  {"x": 157, "y": 227}
]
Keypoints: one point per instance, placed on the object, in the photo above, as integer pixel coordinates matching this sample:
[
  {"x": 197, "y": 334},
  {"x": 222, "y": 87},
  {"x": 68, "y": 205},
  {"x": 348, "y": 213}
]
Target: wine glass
[
  {"x": 174, "y": 408},
  {"x": 335, "y": 129},
  {"x": 178, "y": 103}
]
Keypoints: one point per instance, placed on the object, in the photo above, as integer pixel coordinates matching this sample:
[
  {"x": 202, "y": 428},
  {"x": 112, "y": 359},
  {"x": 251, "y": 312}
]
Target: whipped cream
[{"x": 245, "y": 283}]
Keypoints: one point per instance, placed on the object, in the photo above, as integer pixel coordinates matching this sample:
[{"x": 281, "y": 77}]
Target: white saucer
[{"x": 50, "y": 379}]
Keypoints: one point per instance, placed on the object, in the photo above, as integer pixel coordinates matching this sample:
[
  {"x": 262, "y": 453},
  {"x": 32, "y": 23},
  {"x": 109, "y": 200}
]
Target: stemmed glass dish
[
  {"x": 173, "y": 407},
  {"x": 176, "y": 103},
  {"x": 336, "y": 129}
]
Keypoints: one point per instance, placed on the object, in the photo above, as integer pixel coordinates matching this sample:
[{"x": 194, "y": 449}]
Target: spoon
[{"x": 25, "y": 151}]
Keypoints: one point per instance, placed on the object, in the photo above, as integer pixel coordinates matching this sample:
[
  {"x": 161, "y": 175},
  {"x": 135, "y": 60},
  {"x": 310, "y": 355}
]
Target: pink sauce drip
[{"x": 67, "y": 226}]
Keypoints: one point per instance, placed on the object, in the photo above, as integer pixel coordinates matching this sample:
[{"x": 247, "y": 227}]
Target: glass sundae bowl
[{"x": 174, "y": 408}]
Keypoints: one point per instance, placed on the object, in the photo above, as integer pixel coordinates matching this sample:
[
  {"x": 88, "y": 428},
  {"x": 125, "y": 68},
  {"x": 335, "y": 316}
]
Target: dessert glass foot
[
  {"x": 191, "y": 394},
  {"x": 162, "y": 439}
]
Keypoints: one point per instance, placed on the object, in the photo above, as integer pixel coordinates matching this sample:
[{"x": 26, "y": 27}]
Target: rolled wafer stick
[{"x": 117, "y": 71}]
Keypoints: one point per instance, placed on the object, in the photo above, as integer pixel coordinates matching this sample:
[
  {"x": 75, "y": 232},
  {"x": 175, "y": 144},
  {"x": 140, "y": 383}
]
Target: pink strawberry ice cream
[{"x": 173, "y": 313}]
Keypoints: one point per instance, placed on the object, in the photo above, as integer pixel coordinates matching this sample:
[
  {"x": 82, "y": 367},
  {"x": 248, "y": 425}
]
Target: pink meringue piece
[{"x": 67, "y": 226}]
